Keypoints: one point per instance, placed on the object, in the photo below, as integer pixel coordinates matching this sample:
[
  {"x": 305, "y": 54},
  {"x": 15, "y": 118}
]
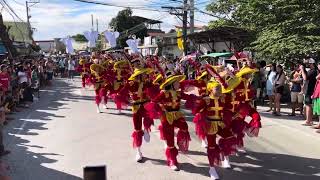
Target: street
[{"x": 62, "y": 133}]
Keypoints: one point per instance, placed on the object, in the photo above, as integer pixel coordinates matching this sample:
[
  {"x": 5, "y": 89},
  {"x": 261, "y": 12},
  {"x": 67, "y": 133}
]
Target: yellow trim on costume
[
  {"x": 158, "y": 78},
  {"x": 172, "y": 116},
  {"x": 214, "y": 127},
  {"x": 204, "y": 74}
]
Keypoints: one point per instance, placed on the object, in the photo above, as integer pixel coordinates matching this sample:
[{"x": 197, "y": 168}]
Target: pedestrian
[
  {"x": 296, "y": 96},
  {"x": 3, "y": 152},
  {"x": 270, "y": 84},
  {"x": 50, "y": 70},
  {"x": 310, "y": 80},
  {"x": 71, "y": 68},
  {"x": 62, "y": 67},
  {"x": 316, "y": 101},
  {"x": 278, "y": 89}
]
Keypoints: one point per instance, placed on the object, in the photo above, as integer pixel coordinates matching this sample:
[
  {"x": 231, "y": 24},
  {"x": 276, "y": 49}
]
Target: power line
[
  {"x": 14, "y": 21},
  {"x": 122, "y": 6},
  {"x": 8, "y": 6}
]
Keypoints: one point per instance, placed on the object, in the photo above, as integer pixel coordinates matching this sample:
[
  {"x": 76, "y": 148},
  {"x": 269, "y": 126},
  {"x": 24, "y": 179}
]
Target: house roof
[
  {"x": 18, "y": 31},
  {"x": 146, "y": 20},
  {"x": 220, "y": 34}
]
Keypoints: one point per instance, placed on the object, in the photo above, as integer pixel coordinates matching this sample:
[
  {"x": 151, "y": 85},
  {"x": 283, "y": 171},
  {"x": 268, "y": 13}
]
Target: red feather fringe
[
  {"x": 214, "y": 156},
  {"x": 171, "y": 154},
  {"x": 137, "y": 138},
  {"x": 183, "y": 138},
  {"x": 200, "y": 125}
]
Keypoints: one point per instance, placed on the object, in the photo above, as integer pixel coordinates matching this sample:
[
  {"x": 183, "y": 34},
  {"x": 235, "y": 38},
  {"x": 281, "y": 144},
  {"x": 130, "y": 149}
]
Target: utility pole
[
  {"x": 92, "y": 28},
  {"x": 28, "y": 5},
  {"x": 97, "y": 25},
  {"x": 191, "y": 16},
  {"x": 184, "y": 15}
]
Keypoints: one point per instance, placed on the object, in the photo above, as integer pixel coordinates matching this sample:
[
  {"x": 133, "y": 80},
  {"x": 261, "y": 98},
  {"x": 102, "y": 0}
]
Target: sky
[{"x": 60, "y": 18}]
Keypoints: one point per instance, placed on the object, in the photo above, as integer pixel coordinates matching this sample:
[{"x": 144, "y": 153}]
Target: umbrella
[{"x": 226, "y": 54}]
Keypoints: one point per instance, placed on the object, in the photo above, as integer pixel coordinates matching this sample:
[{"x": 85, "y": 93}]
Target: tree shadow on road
[{"x": 27, "y": 160}]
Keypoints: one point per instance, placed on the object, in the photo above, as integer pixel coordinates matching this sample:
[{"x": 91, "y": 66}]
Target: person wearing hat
[
  {"x": 83, "y": 69},
  {"x": 244, "y": 94},
  {"x": 167, "y": 103},
  {"x": 211, "y": 121},
  {"x": 121, "y": 71},
  {"x": 137, "y": 87},
  {"x": 97, "y": 78}
]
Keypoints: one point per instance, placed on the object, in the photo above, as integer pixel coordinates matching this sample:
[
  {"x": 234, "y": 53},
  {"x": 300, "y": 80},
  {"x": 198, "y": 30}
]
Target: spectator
[
  {"x": 278, "y": 89},
  {"x": 296, "y": 96},
  {"x": 310, "y": 78},
  {"x": 62, "y": 68},
  {"x": 316, "y": 101},
  {"x": 71, "y": 67},
  {"x": 256, "y": 84},
  {"x": 2, "y": 120},
  {"x": 35, "y": 80},
  {"x": 4, "y": 78},
  {"x": 49, "y": 69},
  {"x": 270, "y": 84}
]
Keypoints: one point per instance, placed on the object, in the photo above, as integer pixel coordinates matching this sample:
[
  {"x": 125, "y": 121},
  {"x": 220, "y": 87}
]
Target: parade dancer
[
  {"x": 84, "y": 69},
  {"x": 122, "y": 72},
  {"x": 138, "y": 87},
  {"x": 211, "y": 122},
  {"x": 99, "y": 84},
  {"x": 167, "y": 106},
  {"x": 242, "y": 99}
]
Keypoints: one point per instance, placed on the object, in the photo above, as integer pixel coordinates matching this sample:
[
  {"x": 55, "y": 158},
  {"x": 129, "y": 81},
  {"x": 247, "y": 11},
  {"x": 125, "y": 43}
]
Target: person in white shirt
[
  {"x": 71, "y": 67},
  {"x": 270, "y": 84}
]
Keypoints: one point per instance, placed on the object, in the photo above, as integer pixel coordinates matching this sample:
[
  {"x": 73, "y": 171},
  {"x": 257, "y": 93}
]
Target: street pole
[
  {"x": 92, "y": 22},
  {"x": 191, "y": 16},
  {"x": 97, "y": 25},
  {"x": 28, "y": 16},
  {"x": 185, "y": 24}
]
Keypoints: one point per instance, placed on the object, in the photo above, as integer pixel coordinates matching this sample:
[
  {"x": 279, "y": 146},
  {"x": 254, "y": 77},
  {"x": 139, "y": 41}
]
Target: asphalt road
[{"x": 62, "y": 133}]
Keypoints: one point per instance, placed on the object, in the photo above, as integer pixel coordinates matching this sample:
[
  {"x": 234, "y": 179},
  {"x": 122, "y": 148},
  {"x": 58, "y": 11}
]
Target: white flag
[
  {"x": 92, "y": 38},
  {"x": 111, "y": 38},
  {"x": 68, "y": 43},
  {"x": 133, "y": 45}
]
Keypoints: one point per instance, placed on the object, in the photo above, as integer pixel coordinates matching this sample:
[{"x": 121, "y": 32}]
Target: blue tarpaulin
[{"x": 3, "y": 49}]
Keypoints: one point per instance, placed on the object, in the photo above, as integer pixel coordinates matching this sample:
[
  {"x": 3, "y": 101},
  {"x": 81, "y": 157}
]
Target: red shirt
[{"x": 4, "y": 81}]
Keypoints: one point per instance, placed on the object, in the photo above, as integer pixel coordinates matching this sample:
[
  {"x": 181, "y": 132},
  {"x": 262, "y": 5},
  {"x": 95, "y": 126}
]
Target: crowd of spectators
[
  {"x": 274, "y": 82},
  {"x": 20, "y": 83}
]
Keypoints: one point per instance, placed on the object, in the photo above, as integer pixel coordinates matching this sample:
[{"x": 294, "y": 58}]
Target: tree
[
  {"x": 284, "y": 29},
  {"x": 128, "y": 25},
  {"x": 79, "y": 38}
]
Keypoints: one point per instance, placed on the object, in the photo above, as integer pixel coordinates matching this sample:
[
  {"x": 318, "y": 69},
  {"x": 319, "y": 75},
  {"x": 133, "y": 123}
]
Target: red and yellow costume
[
  {"x": 84, "y": 70},
  {"x": 242, "y": 100},
  {"x": 122, "y": 72},
  {"x": 99, "y": 82},
  {"x": 171, "y": 117},
  {"x": 138, "y": 90},
  {"x": 212, "y": 120}
]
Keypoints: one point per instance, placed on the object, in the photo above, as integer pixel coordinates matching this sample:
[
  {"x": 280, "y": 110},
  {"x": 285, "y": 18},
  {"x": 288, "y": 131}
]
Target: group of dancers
[{"x": 219, "y": 99}]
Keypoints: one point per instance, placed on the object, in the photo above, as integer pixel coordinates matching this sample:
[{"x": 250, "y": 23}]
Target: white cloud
[{"x": 52, "y": 18}]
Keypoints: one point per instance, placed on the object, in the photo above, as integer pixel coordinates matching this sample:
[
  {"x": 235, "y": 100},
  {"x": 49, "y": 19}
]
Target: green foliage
[
  {"x": 285, "y": 30},
  {"x": 127, "y": 25},
  {"x": 79, "y": 38}
]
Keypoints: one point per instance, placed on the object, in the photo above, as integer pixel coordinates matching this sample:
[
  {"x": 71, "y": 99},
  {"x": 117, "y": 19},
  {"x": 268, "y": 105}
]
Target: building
[{"x": 47, "y": 46}]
